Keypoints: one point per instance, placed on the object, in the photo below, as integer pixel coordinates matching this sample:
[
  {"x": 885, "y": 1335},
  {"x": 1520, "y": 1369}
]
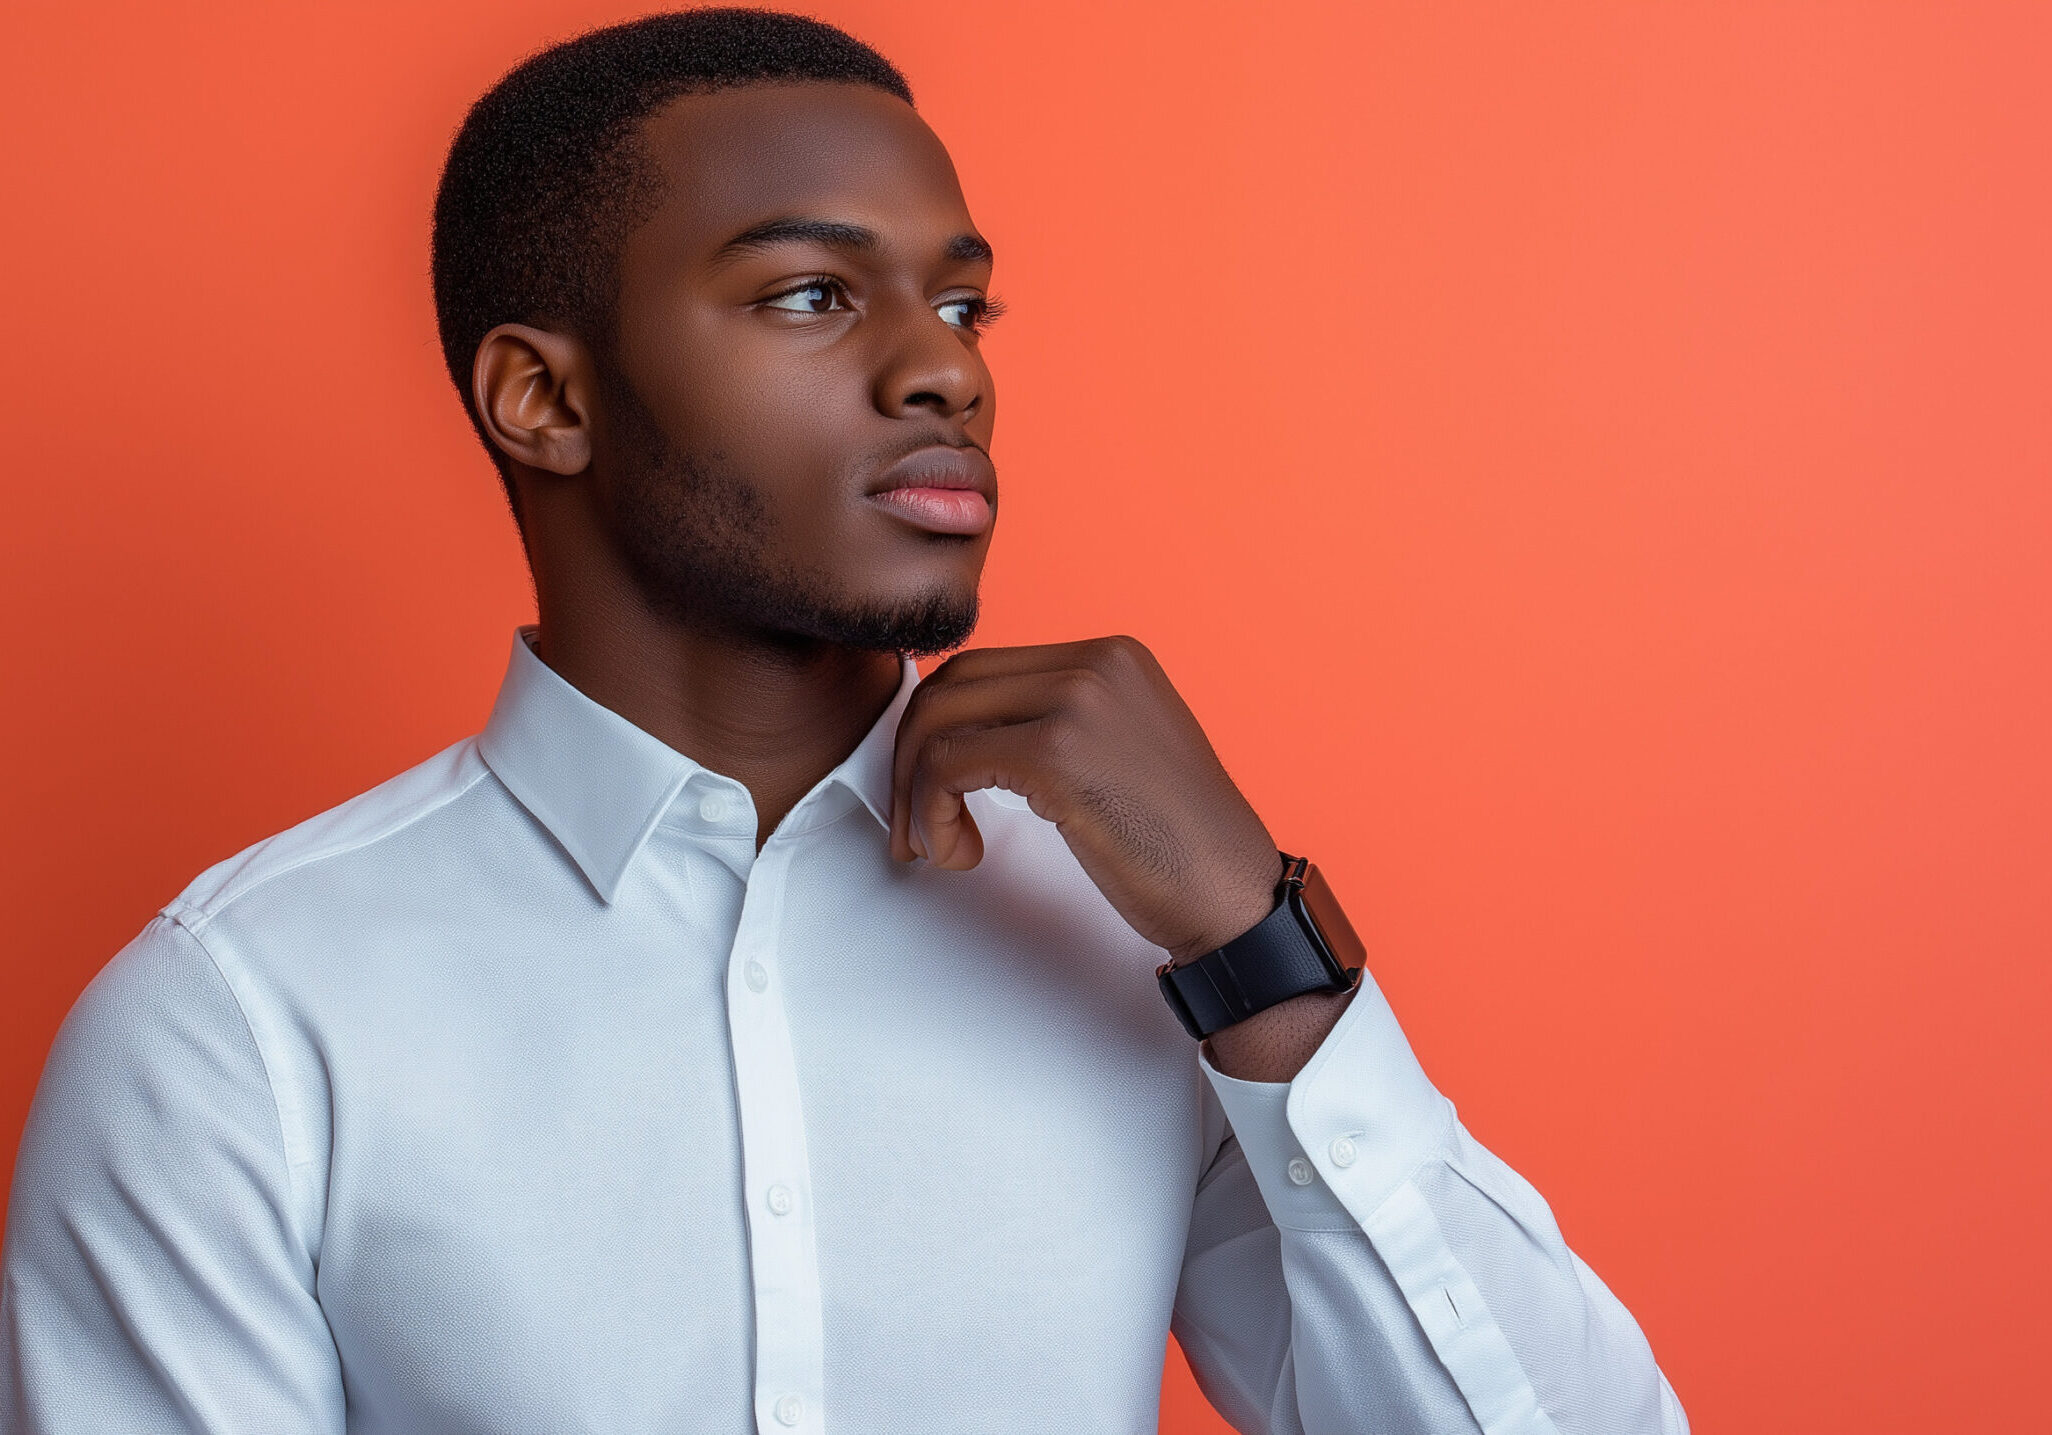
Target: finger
[
  {"x": 961, "y": 760},
  {"x": 970, "y": 663},
  {"x": 938, "y": 705}
]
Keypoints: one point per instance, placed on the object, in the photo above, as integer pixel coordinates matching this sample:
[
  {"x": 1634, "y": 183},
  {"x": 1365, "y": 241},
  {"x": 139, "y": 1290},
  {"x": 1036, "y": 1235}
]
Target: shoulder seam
[
  {"x": 195, "y": 919},
  {"x": 263, "y": 1059}
]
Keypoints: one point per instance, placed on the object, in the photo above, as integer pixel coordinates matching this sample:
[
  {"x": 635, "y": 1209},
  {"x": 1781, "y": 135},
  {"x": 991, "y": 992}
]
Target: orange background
[{"x": 1586, "y": 465}]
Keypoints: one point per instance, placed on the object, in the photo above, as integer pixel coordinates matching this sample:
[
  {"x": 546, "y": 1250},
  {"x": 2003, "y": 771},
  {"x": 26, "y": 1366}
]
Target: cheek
[
  {"x": 787, "y": 419},
  {"x": 755, "y": 397},
  {"x": 764, "y": 426}
]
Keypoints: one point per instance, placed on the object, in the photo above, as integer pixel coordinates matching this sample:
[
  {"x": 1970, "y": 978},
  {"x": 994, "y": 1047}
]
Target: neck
[{"x": 774, "y": 714}]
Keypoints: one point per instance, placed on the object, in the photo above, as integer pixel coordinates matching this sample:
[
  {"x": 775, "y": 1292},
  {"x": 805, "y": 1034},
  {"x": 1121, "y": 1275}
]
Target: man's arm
[
  {"x": 1404, "y": 1279},
  {"x": 1357, "y": 1261},
  {"x": 155, "y": 1280}
]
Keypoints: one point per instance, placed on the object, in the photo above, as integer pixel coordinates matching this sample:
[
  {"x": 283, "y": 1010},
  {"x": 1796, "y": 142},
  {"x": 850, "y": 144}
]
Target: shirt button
[
  {"x": 789, "y": 1409},
  {"x": 1300, "y": 1172},
  {"x": 757, "y": 976},
  {"x": 713, "y": 807},
  {"x": 780, "y": 1204},
  {"x": 1342, "y": 1151}
]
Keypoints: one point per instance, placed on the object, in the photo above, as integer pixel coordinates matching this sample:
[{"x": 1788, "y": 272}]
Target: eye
[
  {"x": 975, "y": 313},
  {"x": 816, "y": 296}
]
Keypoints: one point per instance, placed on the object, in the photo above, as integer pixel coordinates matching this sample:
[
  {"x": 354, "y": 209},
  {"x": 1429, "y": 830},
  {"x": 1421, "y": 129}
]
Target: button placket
[{"x": 783, "y": 1260}]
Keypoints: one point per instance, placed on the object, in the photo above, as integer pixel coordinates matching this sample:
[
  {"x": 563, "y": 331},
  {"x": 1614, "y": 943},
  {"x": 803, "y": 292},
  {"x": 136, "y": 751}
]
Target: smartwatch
[{"x": 1305, "y": 945}]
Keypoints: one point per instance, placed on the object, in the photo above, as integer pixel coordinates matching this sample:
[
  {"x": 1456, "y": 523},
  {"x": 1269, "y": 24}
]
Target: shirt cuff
[{"x": 1360, "y": 1117}]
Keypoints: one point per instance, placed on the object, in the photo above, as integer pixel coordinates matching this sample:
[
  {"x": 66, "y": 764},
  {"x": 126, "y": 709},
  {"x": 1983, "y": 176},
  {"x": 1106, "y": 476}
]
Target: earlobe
[{"x": 529, "y": 386}]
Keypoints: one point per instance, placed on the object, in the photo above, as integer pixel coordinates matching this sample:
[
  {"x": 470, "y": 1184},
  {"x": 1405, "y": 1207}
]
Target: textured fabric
[{"x": 521, "y": 1093}]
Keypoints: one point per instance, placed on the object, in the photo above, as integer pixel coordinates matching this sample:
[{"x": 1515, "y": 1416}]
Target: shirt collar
[{"x": 600, "y": 784}]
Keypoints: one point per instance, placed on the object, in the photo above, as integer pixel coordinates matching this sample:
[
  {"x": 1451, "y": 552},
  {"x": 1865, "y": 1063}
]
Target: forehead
[{"x": 734, "y": 158}]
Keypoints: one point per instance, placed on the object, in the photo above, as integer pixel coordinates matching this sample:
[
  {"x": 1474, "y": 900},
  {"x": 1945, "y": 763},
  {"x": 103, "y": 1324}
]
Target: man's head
[{"x": 702, "y": 279}]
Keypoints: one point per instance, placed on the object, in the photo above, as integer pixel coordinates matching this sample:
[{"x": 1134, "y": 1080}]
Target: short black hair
[{"x": 545, "y": 180}]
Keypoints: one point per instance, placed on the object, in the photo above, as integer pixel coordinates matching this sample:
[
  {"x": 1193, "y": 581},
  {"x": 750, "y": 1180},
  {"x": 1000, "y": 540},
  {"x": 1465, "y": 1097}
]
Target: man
[{"x": 740, "y": 1032}]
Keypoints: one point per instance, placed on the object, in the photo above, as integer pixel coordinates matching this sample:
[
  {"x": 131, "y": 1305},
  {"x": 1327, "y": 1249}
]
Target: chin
[{"x": 922, "y": 625}]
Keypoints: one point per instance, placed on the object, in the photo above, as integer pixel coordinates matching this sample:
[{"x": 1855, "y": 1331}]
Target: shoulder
[
  {"x": 179, "y": 1008},
  {"x": 154, "y": 1049},
  {"x": 358, "y": 828}
]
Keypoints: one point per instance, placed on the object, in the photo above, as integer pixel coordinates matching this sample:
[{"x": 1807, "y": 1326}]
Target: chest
[{"x": 944, "y": 1144}]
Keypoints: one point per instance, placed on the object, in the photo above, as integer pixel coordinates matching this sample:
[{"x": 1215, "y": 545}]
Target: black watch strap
[{"x": 1283, "y": 955}]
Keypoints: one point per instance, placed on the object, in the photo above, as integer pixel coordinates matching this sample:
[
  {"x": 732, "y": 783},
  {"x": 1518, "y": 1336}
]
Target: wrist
[
  {"x": 1248, "y": 909},
  {"x": 1274, "y": 1044},
  {"x": 1303, "y": 946}
]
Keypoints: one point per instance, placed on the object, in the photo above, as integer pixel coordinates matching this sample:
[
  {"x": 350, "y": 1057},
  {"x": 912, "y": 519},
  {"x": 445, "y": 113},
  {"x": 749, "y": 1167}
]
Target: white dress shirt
[{"x": 521, "y": 1094}]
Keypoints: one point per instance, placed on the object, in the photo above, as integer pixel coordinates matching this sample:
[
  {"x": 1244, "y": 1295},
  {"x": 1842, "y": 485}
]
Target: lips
[
  {"x": 940, "y": 488},
  {"x": 941, "y": 466}
]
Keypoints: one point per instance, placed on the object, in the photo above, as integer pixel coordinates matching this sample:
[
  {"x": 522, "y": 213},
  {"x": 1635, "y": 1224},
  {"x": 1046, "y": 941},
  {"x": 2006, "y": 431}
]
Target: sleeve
[
  {"x": 153, "y": 1276},
  {"x": 1358, "y": 1262}
]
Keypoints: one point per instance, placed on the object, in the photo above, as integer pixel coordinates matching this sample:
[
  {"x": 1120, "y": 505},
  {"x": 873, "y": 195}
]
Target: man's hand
[{"x": 1096, "y": 739}]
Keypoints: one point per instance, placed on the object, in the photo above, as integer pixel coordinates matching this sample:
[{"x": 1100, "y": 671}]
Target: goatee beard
[{"x": 694, "y": 533}]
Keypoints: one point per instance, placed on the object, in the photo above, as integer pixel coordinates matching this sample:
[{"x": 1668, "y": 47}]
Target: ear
[{"x": 532, "y": 390}]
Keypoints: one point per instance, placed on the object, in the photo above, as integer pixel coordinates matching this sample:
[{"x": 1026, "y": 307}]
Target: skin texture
[{"x": 708, "y": 562}]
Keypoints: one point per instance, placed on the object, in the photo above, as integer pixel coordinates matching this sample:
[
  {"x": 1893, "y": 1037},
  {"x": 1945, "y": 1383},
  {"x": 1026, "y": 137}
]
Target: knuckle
[
  {"x": 924, "y": 696},
  {"x": 1141, "y": 656},
  {"x": 1080, "y": 689},
  {"x": 1103, "y": 655},
  {"x": 933, "y": 753},
  {"x": 1120, "y": 654}
]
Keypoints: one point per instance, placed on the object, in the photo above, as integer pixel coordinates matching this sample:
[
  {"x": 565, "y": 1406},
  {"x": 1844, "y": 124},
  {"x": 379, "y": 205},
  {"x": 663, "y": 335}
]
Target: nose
[{"x": 928, "y": 367}]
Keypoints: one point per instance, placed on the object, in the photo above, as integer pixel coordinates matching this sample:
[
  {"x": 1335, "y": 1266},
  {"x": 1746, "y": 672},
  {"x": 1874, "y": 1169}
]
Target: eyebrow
[{"x": 835, "y": 234}]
